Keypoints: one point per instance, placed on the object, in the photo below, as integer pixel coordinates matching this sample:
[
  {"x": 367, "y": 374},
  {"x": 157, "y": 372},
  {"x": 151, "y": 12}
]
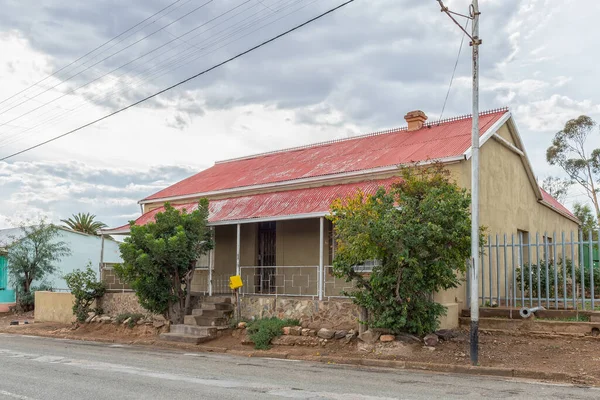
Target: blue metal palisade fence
[{"x": 527, "y": 270}]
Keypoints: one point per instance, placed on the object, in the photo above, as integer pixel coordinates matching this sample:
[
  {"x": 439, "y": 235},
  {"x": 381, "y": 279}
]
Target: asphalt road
[{"x": 41, "y": 368}]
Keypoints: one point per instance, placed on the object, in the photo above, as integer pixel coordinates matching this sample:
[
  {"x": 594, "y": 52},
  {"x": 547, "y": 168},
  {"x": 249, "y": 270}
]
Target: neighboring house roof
[
  {"x": 300, "y": 203},
  {"x": 438, "y": 140}
]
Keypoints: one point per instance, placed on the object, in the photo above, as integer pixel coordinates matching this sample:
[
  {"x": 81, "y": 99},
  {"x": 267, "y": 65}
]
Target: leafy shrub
[
  {"x": 262, "y": 331},
  {"x": 86, "y": 289},
  {"x": 133, "y": 318},
  {"x": 588, "y": 279},
  {"x": 419, "y": 230},
  {"x": 26, "y": 300},
  {"x": 532, "y": 269},
  {"x": 159, "y": 259}
]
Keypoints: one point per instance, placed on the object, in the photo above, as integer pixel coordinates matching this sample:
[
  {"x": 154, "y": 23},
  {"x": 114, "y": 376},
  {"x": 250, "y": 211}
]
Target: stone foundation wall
[
  {"x": 112, "y": 281},
  {"x": 114, "y": 304},
  {"x": 314, "y": 314}
]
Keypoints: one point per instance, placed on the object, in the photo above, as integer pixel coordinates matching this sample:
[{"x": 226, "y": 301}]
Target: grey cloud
[
  {"x": 64, "y": 188},
  {"x": 382, "y": 43}
]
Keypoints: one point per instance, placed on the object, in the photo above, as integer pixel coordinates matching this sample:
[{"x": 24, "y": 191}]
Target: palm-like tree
[{"x": 84, "y": 223}]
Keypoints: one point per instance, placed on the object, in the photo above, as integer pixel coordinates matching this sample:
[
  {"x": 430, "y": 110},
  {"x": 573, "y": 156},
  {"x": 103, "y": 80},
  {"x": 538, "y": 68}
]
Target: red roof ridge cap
[
  {"x": 377, "y": 133},
  {"x": 466, "y": 116}
]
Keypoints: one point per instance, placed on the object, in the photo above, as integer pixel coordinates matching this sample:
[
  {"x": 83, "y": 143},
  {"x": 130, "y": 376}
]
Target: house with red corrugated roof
[{"x": 267, "y": 210}]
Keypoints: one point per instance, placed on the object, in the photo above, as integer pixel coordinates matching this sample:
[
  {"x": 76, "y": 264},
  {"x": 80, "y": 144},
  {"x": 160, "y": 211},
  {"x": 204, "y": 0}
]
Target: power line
[
  {"x": 462, "y": 40},
  {"x": 166, "y": 67},
  {"x": 90, "y": 52},
  {"x": 104, "y": 59},
  {"x": 266, "y": 6},
  {"x": 183, "y": 81}
]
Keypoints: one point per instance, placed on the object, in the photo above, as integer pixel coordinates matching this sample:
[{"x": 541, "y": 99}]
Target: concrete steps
[
  {"x": 204, "y": 323},
  {"x": 182, "y": 338},
  {"x": 211, "y": 313},
  {"x": 217, "y": 300},
  {"x": 199, "y": 320},
  {"x": 214, "y": 306}
]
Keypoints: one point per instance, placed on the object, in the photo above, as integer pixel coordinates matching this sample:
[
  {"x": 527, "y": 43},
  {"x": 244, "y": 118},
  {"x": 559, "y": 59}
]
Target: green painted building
[{"x": 7, "y": 295}]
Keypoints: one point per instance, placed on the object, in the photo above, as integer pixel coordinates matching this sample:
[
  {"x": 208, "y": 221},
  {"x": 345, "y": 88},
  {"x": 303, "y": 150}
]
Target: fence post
[
  {"x": 211, "y": 262},
  {"x": 237, "y": 250},
  {"x": 591, "y": 253},
  {"x": 522, "y": 269},
  {"x": 582, "y": 269},
  {"x": 573, "y": 277},
  {"x": 506, "y": 295},
  {"x": 514, "y": 276},
  {"x": 498, "y": 269},
  {"x": 546, "y": 255},
  {"x": 554, "y": 252},
  {"x": 490, "y": 268},
  {"x": 564, "y": 263},
  {"x": 320, "y": 284}
]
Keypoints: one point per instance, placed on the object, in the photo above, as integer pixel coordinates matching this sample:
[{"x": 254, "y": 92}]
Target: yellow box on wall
[{"x": 235, "y": 282}]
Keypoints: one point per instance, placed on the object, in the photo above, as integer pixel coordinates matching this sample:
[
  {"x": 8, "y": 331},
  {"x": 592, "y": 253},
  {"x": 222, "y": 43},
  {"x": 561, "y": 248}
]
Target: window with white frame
[
  {"x": 367, "y": 266},
  {"x": 202, "y": 262}
]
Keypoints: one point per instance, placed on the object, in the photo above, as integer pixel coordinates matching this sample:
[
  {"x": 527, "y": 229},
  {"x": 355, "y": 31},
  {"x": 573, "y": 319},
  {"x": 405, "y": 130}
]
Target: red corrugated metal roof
[
  {"x": 555, "y": 203},
  {"x": 435, "y": 141},
  {"x": 277, "y": 204}
]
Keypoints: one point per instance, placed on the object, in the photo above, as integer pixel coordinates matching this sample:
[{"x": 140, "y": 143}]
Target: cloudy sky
[{"x": 357, "y": 70}]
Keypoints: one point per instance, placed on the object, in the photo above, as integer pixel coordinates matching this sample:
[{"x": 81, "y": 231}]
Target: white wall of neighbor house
[{"x": 85, "y": 249}]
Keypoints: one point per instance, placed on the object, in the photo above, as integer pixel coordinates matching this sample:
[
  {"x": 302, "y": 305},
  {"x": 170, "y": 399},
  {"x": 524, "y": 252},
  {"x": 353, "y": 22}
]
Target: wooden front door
[{"x": 265, "y": 278}]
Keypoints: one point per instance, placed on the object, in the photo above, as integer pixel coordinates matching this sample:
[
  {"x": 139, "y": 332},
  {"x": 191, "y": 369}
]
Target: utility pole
[{"x": 474, "y": 275}]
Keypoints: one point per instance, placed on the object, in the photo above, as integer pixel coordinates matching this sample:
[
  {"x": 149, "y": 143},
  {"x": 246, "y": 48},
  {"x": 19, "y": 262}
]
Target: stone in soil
[
  {"x": 340, "y": 334},
  {"x": 286, "y": 330},
  {"x": 365, "y": 347},
  {"x": 242, "y": 325},
  {"x": 431, "y": 340},
  {"x": 445, "y": 334},
  {"x": 348, "y": 338},
  {"x": 387, "y": 338},
  {"x": 326, "y": 333},
  {"x": 158, "y": 324},
  {"x": 369, "y": 336},
  {"x": 296, "y": 331},
  {"x": 128, "y": 320},
  {"x": 407, "y": 338}
]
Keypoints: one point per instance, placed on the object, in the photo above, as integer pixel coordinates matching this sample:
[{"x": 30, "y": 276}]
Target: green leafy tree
[
  {"x": 419, "y": 231},
  {"x": 589, "y": 222},
  {"x": 86, "y": 289},
  {"x": 159, "y": 259},
  {"x": 557, "y": 187},
  {"x": 570, "y": 151},
  {"x": 32, "y": 257},
  {"x": 85, "y": 223}
]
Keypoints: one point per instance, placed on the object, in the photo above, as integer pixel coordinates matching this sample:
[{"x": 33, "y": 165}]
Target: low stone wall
[
  {"x": 314, "y": 314},
  {"x": 114, "y": 304},
  {"x": 54, "y": 307}
]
